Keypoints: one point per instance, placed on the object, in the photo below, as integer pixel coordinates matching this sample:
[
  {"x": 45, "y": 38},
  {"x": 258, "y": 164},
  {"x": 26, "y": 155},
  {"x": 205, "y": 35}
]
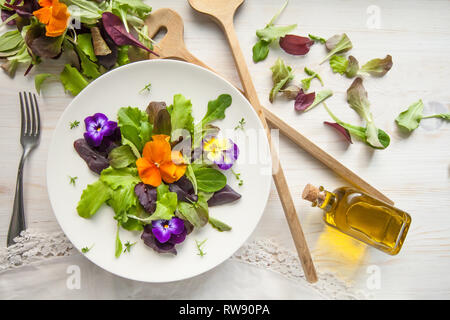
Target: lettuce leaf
[
  {"x": 338, "y": 64},
  {"x": 116, "y": 178},
  {"x": 358, "y": 101},
  {"x": 337, "y": 44},
  {"x": 92, "y": 198},
  {"x": 121, "y": 157},
  {"x": 181, "y": 115},
  {"x": 281, "y": 75},
  {"x": 84, "y": 43},
  {"x": 39, "y": 79},
  {"x": 72, "y": 80},
  {"x": 135, "y": 128},
  {"x": 272, "y": 33}
]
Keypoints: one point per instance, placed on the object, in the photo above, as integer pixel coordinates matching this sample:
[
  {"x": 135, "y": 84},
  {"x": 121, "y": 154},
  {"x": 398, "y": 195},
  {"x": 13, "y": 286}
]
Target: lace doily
[
  {"x": 266, "y": 254},
  {"x": 32, "y": 246}
]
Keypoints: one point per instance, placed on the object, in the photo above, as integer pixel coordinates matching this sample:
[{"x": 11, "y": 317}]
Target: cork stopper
[{"x": 312, "y": 193}]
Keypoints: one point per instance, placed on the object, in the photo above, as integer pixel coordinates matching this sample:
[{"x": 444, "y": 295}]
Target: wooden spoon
[
  {"x": 172, "y": 46},
  {"x": 223, "y": 12}
]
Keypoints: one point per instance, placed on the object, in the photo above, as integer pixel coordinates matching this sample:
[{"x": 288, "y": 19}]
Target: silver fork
[{"x": 29, "y": 139}]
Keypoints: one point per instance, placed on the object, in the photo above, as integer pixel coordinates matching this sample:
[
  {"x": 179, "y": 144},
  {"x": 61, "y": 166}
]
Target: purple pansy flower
[
  {"x": 221, "y": 151},
  {"x": 165, "y": 229},
  {"x": 97, "y": 127},
  {"x": 169, "y": 246}
]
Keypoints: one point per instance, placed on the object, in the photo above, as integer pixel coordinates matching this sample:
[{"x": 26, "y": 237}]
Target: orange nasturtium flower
[
  {"x": 54, "y": 15},
  {"x": 160, "y": 162}
]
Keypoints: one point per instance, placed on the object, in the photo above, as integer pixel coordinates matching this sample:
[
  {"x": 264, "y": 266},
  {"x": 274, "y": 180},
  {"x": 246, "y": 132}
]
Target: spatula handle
[{"x": 278, "y": 174}]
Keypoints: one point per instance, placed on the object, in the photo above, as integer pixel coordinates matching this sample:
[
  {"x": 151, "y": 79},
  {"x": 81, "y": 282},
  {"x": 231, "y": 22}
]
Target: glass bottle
[{"x": 362, "y": 216}]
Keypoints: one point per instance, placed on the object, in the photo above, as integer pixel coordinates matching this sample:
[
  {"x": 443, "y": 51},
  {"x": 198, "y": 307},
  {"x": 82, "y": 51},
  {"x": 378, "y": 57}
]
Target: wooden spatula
[{"x": 172, "y": 46}]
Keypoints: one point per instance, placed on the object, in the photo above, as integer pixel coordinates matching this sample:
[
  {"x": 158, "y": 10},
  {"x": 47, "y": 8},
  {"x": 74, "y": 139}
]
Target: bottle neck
[{"x": 328, "y": 202}]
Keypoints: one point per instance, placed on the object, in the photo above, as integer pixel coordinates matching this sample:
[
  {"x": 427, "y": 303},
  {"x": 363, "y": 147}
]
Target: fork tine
[
  {"x": 28, "y": 120},
  {"x": 33, "y": 115},
  {"x": 22, "y": 115},
  {"x": 38, "y": 117}
]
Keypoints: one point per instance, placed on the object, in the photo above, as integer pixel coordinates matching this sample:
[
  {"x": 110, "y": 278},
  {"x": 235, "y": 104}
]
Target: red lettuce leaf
[
  {"x": 224, "y": 195},
  {"x": 94, "y": 159},
  {"x": 116, "y": 30},
  {"x": 344, "y": 132},
  {"x": 147, "y": 196},
  {"x": 296, "y": 45},
  {"x": 304, "y": 100},
  {"x": 184, "y": 190},
  {"x": 6, "y": 14},
  {"x": 23, "y": 8}
]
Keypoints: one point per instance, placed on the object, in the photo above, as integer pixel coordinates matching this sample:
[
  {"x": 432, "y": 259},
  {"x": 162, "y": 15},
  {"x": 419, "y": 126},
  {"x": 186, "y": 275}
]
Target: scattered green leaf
[
  {"x": 86, "y": 249},
  {"x": 240, "y": 125},
  {"x": 128, "y": 246},
  {"x": 320, "y": 97},
  {"x": 74, "y": 124},
  {"x": 72, "y": 80},
  {"x": 219, "y": 225},
  {"x": 199, "y": 245},
  {"x": 281, "y": 75},
  {"x": 377, "y": 67},
  {"x": 337, "y": 44},
  {"x": 317, "y": 39},
  {"x": 39, "y": 79},
  {"x": 306, "y": 83},
  {"x": 146, "y": 88},
  {"x": 410, "y": 118},
  {"x": 72, "y": 180},
  {"x": 338, "y": 64},
  {"x": 358, "y": 101}
]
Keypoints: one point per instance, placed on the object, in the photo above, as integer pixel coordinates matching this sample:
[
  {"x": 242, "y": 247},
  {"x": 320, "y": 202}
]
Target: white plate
[{"x": 120, "y": 88}]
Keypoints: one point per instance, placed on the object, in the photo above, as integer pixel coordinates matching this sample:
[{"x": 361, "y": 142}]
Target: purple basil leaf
[
  {"x": 344, "y": 132},
  {"x": 116, "y": 30},
  {"x": 296, "y": 45},
  {"x": 6, "y": 14},
  {"x": 184, "y": 190},
  {"x": 304, "y": 100},
  {"x": 94, "y": 159},
  {"x": 24, "y": 8},
  {"x": 224, "y": 195},
  {"x": 147, "y": 196}
]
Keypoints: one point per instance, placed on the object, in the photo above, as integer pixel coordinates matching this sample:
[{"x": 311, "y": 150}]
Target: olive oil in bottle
[{"x": 362, "y": 217}]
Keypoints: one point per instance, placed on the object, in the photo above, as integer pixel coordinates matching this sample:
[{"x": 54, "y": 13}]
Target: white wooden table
[{"x": 414, "y": 170}]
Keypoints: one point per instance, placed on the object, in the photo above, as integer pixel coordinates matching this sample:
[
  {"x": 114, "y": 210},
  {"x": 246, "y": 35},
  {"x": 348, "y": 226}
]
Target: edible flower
[
  {"x": 54, "y": 15},
  {"x": 164, "y": 229},
  {"x": 159, "y": 162},
  {"x": 97, "y": 127},
  {"x": 223, "y": 152}
]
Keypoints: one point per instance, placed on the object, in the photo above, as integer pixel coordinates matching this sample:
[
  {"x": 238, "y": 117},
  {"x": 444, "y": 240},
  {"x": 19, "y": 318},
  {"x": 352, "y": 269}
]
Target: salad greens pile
[
  {"x": 152, "y": 185},
  {"x": 95, "y": 36}
]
